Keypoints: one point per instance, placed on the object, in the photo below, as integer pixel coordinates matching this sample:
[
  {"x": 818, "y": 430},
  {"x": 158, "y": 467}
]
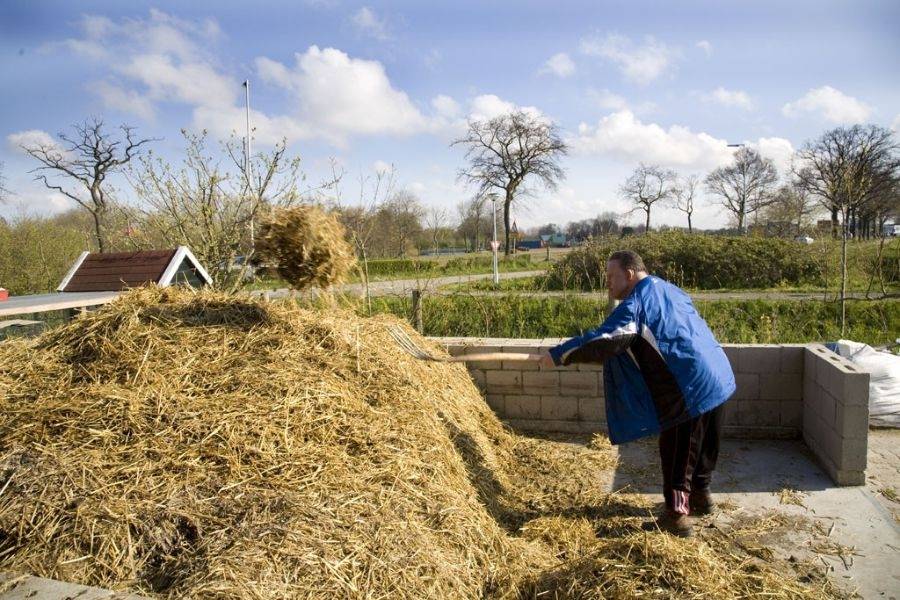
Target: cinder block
[
  {"x": 478, "y": 377},
  {"x": 747, "y": 386},
  {"x": 590, "y": 367},
  {"x": 455, "y": 350},
  {"x": 760, "y": 358},
  {"x": 559, "y": 408},
  {"x": 829, "y": 376},
  {"x": 810, "y": 358},
  {"x": 826, "y": 407},
  {"x": 852, "y": 422},
  {"x": 730, "y": 413},
  {"x": 855, "y": 390},
  {"x": 759, "y": 413},
  {"x": 792, "y": 358},
  {"x": 849, "y": 477},
  {"x": 780, "y": 386},
  {"x": 853, "y": 454},
  {"x": 496, "y": 402},
  {"x": 503, "y": 382},
  {"x": 834, "y": 447},
  {"x": 579, "y": 383},
  {"x": 731, "y": 353},
  {"x": 538, "y": 382},
  {"x": 592, "y": 409},
  {"x": 523, "y": 407},
  {"x": 791, "y": 413}
]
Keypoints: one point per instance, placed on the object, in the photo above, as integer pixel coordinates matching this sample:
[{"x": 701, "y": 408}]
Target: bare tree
[
  {"x": 683, "y": 196},
  {"x": 646, "y": 186},
  {"x": 401, "y": 221},
  {"x": 846, "y": 168},
  {"x": 87, "y": 158},
  {"x": 360, "y": 219},
  {"x": 509, "y": 152},
  {"x": 210, "y": 206},
  {"x": 437, "y": 219},
  {"x": 790, "y": 211},
  {"x": 745, "y": 186}
]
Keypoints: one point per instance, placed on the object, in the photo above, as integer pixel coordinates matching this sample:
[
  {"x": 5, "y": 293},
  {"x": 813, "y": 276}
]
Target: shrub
[{"x": 693, "y": 260}]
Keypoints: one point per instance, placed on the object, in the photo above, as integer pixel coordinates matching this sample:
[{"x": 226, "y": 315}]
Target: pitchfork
[{"x": 420, "y": 353}]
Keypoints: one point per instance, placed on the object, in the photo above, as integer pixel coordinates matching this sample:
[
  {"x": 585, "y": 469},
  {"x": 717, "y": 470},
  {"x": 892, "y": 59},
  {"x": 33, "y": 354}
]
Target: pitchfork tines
[{"x": 413, "y": 349}]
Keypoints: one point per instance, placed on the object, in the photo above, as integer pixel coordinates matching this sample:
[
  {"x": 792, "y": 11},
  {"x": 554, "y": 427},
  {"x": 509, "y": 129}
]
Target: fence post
[{"x": 417, "y": 310}]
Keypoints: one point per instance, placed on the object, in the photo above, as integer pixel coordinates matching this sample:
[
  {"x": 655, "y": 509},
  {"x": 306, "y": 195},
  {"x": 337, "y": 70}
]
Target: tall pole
[
  {"x": 495, "y": 245},
  {"x": 247, "y": 173}
]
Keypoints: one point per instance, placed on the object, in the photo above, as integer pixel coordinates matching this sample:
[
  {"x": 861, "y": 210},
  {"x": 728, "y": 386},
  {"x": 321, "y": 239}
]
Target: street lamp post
[{"x": 495, "y": 244}]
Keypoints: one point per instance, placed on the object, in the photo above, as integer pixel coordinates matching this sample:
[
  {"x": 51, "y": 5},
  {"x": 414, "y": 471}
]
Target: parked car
[{"x": 804, "y": 239}]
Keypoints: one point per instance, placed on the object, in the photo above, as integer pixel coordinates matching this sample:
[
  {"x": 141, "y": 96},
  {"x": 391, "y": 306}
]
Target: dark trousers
[{"x": 688, "y": 453}]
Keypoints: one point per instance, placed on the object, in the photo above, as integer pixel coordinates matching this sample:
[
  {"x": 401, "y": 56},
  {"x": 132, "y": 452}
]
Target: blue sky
[{"x": 370, "y": 84}]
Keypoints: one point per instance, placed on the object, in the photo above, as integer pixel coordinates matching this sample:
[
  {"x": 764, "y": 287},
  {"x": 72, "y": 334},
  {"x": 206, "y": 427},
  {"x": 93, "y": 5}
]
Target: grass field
[
  {"x": 733, "y": 321},
  {"x": 430, "y": 267}
]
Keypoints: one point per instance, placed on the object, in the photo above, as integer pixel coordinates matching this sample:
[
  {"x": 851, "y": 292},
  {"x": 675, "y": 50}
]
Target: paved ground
[
  {"x": 402, "y": 287},
  {"x": 751, "y": 474}
]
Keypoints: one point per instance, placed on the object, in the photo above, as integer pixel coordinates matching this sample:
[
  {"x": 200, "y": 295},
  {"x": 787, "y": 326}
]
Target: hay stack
[
  {"x": 307, "y": 245},
  {"x": 188, "y": 444}
]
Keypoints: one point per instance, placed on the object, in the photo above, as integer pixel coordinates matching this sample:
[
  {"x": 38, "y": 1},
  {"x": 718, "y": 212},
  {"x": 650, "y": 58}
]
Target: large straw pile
[
  {"x": 185, "y": 444},
  {"x": 307, "y": 245}
]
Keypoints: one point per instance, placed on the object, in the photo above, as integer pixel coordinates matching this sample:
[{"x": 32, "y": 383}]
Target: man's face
[{"x": 618, "y": 280}]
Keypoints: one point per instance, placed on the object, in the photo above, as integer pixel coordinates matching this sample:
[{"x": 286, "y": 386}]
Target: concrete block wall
[
  {"x": 782, "y": 392},
  {"x": 836, "y": 414}
]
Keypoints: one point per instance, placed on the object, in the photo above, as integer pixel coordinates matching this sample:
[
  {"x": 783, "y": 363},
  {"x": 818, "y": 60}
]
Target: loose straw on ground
[{"x": 190, "y": 444}]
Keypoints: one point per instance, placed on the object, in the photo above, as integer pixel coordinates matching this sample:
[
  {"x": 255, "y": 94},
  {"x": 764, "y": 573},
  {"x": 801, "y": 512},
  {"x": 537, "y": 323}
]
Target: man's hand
[{"x": 546, "y": 361}]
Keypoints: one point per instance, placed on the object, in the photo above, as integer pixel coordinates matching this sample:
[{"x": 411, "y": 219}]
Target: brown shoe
[
  {"x": 701, "y": 502},
  {"x": 677, "y": 524}
]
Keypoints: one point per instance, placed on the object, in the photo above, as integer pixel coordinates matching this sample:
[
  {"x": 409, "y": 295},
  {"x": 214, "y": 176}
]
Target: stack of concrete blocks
[
  {"x": 836, "y": 414},
  {"x": 784, "y": 391}
]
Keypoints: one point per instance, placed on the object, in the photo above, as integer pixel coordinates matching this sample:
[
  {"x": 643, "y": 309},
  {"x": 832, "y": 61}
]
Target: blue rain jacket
[{"x": 661, "y": 363}]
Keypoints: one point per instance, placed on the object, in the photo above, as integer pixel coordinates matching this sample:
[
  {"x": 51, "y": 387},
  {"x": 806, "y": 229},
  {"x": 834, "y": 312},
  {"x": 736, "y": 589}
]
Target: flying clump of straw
[
  {"x": 189, "y": 444},
  {"x": 307, "y": 246}
]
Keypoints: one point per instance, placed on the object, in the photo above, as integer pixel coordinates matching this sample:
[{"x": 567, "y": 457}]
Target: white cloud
[
  {"x": 339, "y": 96},
  {"x": 367, "y": 22},
  {"x": 736, "y": 98},
  {"x": 124, "y": 100},
  {"x": 380, "y": 166},
  {"x": 559, "y": 64},
  {"x": 780, "y": 150},
  {"x": 621, "y": 135},
  {"x": 830, "y": 104},
  {"x": 638, "y": 63},
  {"x": 31, "y": 137},
  {"x": 195, "y": 83},
  {"x": 488, "y": 106},
  {"x": 163, "y": 59},
  {"x": 705, "y": 46},
  {"x": 607, "y": 100},
  {"x": 895, "y": 126},
  {"x": 445, "y": 106}
]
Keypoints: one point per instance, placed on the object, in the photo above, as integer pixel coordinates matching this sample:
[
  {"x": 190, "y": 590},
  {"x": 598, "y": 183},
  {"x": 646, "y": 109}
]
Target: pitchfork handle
[{"x": 484, "y": 356}]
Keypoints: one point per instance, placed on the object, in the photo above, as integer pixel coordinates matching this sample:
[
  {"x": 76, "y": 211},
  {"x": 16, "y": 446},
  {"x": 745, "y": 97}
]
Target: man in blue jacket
[{"x": 663, "y": 373}]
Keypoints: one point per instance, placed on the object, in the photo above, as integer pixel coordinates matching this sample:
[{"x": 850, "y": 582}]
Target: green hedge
[
  {"x": 693, "y": 260},
  {"x": 411, "y": 266}
]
